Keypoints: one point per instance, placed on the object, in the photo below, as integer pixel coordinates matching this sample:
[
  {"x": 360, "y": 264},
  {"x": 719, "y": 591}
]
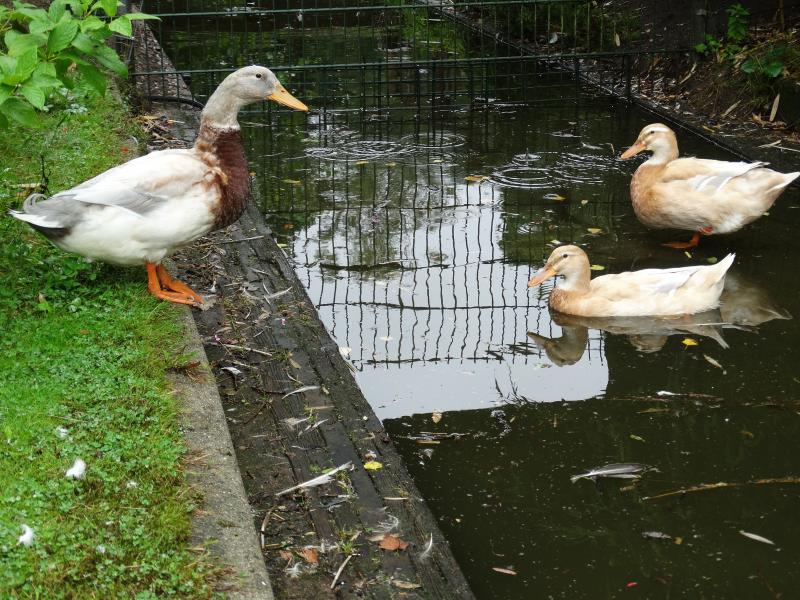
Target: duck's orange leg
[
  {"x": 692, "y": 243},
  {"x": 175, "y": 285},
  {"x": 154, "y": 286}
]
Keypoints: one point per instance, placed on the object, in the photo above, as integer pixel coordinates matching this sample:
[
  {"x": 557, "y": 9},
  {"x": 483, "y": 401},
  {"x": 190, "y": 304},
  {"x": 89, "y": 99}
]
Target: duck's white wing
[
  {"x": 141, "y": 185},
  {"x": 704, "y": 175}
]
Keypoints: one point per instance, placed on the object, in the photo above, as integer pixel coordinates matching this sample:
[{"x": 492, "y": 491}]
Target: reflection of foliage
[{"x": 432, "y": 39}]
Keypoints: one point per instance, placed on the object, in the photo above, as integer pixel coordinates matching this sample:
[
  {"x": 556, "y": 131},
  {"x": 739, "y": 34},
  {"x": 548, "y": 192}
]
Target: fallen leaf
[
  {"x": 436, "y": 416},
  {"x": 654, "y": 410},
  {"x": 688, "y": 254},
  {"x": 584, "y": 202},
  {"x": 405, "y": 585},
  {"x": 504, "y": 571},
  {"x": 373, "y": 465},
  {"x": 712, "y": 260},
  {"x": 757, "y": 537},
  {"x": 292, "y": 181},
  {"x": 362, "y": 162},
  {"x": 476, "y": 178},
  {"x": 594, "y": 230},
  {"x": 553, "y": 196},
  {"x": 392, "y": 542},
  {"x": 617, "y": 42},
  {"x": 689, "y": 342},
  {"x": 730, "y": 108},
  {"x": 774, "y": 110},
  {"x": 711, "y": 361},
  {"x": 287, "y": 556},
  {"x": 678, "y": 541},
  {"x": 310, "y": 555},
  {"x": 391, "y": 164},
  {"x": 633, "y": 436},
  {"x": 748, "y": 434},
  {"x": 597, "y": 268}
]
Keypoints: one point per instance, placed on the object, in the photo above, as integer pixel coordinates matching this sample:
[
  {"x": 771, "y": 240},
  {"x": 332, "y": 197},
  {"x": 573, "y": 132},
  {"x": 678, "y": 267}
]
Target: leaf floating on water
[
  {"x": 476, "y": 178},
  {"x": 656, "y": 535},
  {"x": 617, "y": 41},
  {"x": 405, "y": 585},
  {"x": 688, "y": 254},
  {"x": 616, "y": 470},
  {"x": 637, "y": 438},
  {"x": 504, "y": 571},
  {"x": 391, "y": 164},
  {"x": 292, "y": 181},
  {"x": 554, "y": 196},
  {"x": 597, "y": 268},
  {"x": 712, "y": 260},
  {"x": 689, "y": 342},
  {"x": 436, "y": 416},
  {"x": 392, "y": 542},
  {"x": 756, "y": 537},
  {"x": 373, "y": 465},
  {"x": 654, "y": 410},
  {"x": 362, "y": 162},
  {"x": 678, "y": 541},
  {"x": 748, "y": 434},
  {"x": 594, "y": 230},
  {"x": 584, "y": 202},
  {"x": 555, "y": 242},
  {"x": 712, "y": 362}
]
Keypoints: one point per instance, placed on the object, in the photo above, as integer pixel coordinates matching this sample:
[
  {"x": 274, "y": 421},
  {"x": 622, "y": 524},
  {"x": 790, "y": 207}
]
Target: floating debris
[
  {"x": 655, "y": 535},
  {"x": 756, "y": 537},
  {"x": 305, "y": 388},
  {"x": 615, "y": 470},
  {"x": 326, "y": 477}
]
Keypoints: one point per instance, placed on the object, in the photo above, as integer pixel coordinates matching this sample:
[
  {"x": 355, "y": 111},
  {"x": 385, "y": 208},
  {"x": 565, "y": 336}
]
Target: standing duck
[
  {"x": 650, "y": 292},
  {"x": 695, "y": 194},
  {"x": 145, "y": 209}
]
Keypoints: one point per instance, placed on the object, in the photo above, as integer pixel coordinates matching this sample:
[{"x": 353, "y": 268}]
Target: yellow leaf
[
  {"x": 373, "y": 465},
  {"x": 476, "y": 178},
  {"x": 391, "y": 164},
  {"x": 436, "y": 416},
  {"x": 584, "y": 202},
  {"x": 617, "y": 41},
  {"x": 597, "y": 268},
  {"x": 553, "y": 196},
  {"x": 292, "y": 181},
  {"x": 712, "y": 260},
  {"x": 594, "y": 230},
  {"x": 362, "y": 162},
  {"x": 774, "y": 110},
  {"x": 689, "y": 342}
]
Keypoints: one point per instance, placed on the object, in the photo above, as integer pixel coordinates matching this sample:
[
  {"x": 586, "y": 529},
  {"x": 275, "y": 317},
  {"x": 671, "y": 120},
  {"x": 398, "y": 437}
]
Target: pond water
[{"x": 415, "y": 230}]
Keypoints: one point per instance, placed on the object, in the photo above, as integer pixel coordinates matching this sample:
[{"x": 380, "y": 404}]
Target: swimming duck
[
  {"x": 145, "y": 209},
  {"x": 695, "y": 194},
  {"x": 650, "y": 292}
]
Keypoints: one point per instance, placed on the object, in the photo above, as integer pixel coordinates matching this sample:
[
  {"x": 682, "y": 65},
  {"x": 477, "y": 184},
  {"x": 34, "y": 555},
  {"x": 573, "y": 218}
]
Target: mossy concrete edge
[{"x": 224, "y": 523}]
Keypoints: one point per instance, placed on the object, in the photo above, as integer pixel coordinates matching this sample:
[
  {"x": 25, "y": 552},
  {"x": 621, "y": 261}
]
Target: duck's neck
[
  {"x": 222, "y": 108},
  {"x": 663, "y": 153},
  {"x": 575, "y": 282}
]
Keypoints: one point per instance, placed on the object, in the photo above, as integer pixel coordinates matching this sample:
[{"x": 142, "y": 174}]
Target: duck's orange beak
[
  {"x": 633, "y": 150},
  {"x": 541, "y": 276},
  {"x": 282, "y": 96}
]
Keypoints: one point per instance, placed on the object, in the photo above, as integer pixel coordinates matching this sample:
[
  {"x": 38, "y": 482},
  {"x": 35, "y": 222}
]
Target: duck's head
[
  {"x": 656, "y": 138},
  {"x": 246, "y": 86},
  {"x": 569, "y": 261}
]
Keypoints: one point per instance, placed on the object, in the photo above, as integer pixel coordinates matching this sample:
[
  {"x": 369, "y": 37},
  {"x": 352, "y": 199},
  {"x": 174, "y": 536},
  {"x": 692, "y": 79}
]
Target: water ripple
[{"x": 552, "y": 169}]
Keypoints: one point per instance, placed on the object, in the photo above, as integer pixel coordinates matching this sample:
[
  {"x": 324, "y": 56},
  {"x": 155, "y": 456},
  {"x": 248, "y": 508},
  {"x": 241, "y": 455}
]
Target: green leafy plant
[
  {"x": 736, "y": 34},
  {"x": 45, "y": 50},
  {"x": 769, "y": 63}
]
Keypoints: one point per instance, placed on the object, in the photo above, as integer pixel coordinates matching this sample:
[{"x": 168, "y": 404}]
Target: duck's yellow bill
[
  {"x": 541, "y": 276},
  {"x": 633, "y": 150},
  {"x": 282, "y": 96}
]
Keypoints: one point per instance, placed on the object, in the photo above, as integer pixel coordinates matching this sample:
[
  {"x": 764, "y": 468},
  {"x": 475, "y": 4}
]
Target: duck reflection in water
[{"x": 743, "y": 305}]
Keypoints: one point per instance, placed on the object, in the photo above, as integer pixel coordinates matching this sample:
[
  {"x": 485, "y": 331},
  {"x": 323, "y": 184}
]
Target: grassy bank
[{"x": 84, "y": 349}]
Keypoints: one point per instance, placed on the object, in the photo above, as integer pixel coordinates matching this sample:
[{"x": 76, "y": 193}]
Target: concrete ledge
[{"x": 224, "y": 523}]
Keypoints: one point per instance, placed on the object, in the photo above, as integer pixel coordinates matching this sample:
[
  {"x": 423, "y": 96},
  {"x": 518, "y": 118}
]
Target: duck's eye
[
  {"x": 258, "y": 75},
  {"x": 565, "y": 255}
]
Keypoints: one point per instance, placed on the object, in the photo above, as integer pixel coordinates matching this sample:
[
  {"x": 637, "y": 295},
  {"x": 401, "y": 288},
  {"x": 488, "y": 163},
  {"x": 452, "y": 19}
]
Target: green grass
[{"x": 82, "y": 346}]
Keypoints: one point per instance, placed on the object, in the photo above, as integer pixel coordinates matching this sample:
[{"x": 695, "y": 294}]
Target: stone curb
[{"x": 224, "y": 523}]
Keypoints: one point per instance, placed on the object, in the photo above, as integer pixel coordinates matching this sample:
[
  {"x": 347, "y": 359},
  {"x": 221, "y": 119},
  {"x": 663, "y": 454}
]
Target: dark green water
[{"x": 420, "y": 275}]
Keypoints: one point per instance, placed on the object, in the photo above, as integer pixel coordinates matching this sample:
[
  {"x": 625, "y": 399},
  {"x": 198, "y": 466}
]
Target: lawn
[{"x": 83, "y": 356}]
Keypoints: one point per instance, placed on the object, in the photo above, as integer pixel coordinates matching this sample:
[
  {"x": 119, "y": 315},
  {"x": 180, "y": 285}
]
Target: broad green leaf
[
  {"x": 45, "y": 68},
  {"x": 108, "y": 6},
  {"x": 121, "y": 26},
  {"x": 5, "y": 92},
  {"x": 18, "y": 69},
  {"x": 65, "y": 59},
  {"x": 44, "y": 82},
  {"x": 25, "y": 12},
  {"x": 40, "y": 26},
  {"x": 773, "y": 68},
  {"x": 19, "y": 43},
  {"x": 57, "y": 10},
  {"x": 92, "y": 23},
  {"x": 93, "y": 77},
  {"x": 83, "y": 43},
  {"x": 33, "y": 94},
  {"x": 3, "y": 120},
  {"x": 62, "y": 35},
  {"x": 109, "y": 59},
  {"x": 8, "y": 64},
  {"x": 20, "y": 111}
]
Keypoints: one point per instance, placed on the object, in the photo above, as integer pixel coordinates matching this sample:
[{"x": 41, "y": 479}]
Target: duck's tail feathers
[
  {"x": 39, "y": 219},
  {"x": 787, "y": 179}
]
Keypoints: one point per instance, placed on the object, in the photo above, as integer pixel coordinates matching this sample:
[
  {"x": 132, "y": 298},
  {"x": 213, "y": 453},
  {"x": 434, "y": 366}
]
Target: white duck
[
  {"x": 695, "y": 194},
  {"x": 650, "y": 292},
  {"x": 145, "y": 209}
]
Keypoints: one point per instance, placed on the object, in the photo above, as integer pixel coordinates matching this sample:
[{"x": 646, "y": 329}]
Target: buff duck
[
  {"x": 650, "y": 292},
  {"x": 143, "y": 210},
  {"x": 695, "y": 194}
]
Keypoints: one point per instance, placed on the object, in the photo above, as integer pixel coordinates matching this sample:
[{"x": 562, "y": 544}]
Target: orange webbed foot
[
  {"x": 176, "y": 291},
  {"x": 692, "y": 243}
]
